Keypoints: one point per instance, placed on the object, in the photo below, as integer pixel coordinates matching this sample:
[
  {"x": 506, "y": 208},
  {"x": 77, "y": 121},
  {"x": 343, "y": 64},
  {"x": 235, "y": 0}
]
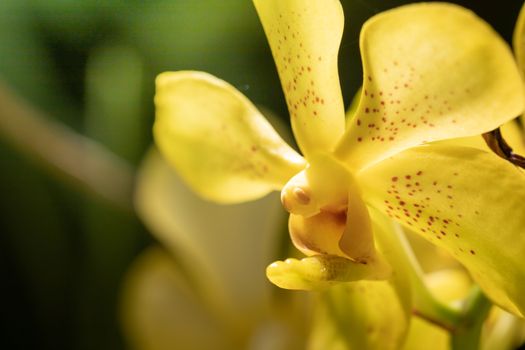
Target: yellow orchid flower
[{"x": 431, "y": 72}]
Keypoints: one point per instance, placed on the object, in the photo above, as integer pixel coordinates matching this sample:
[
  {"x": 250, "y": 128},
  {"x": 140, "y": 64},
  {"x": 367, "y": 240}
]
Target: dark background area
[{"x": 91, "y": 65}]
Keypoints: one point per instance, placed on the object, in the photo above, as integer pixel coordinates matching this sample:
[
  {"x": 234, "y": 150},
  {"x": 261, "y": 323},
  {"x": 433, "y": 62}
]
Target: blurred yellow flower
[{"x": 206, "y": 288}]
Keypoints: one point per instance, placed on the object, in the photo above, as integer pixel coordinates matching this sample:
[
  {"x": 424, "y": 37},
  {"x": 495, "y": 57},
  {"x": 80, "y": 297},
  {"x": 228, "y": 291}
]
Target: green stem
[
  {"x": 425, "y": 305},
  {"x": 464, "y": 325},
  {"x": 62, "y": 151},
  {"x": 467, "y": 335}
]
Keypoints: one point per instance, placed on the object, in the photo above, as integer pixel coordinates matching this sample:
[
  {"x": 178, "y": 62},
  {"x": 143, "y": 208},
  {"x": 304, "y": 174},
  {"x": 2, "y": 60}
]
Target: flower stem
[
  {"x": 494, "y": 139},
  {"x": 463, "y": 325},
  {"x": 467, "y": 335},
  {"x": 62, "y": 151},
  {"x": 425, "y": 305}
]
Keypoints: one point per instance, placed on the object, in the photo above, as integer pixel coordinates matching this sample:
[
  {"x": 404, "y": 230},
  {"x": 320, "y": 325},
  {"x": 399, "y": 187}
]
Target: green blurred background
[{"x": 91, "y": 65}]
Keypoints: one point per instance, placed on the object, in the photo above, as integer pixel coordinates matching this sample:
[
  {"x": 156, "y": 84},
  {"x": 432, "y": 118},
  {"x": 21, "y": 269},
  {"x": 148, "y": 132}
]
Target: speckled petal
[
  {"x": 304, "y": 37},
  {"x": 217, "y": 140},
  {"x": 512, "y": 133},
  {"x": 468, "y": 201},
  {"x": 432, "y": 71}
]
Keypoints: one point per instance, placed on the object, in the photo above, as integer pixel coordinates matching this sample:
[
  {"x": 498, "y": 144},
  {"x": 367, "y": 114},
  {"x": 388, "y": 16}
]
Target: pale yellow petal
[
  {"x": 304, "y": 37},
  {"x": 465, "y": 200},
  {"x": 225, "y": 248},
  {"x": 514, "y": 135},
  {"x": 217, "y": 140},
  {"x": 432, "y": 71},
  {"x": 511, "y": 131},
  {"x": 161, "y": 311}
]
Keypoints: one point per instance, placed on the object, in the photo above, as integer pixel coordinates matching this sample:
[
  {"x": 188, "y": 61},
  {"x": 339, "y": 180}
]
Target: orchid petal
[
  {"x": 518, "y": 43},
  {"x": 304, "y": 37},
  {"x": 160, "y": 309},
  {"x": 468, "y": 201},
  {"x": 432, "y": 71},
  {"x": 218, "y": 141},
  {"x": 511, "y": 132},
  {"x": 518, "y": 39},
  {"x": 225, "y": 249}
]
